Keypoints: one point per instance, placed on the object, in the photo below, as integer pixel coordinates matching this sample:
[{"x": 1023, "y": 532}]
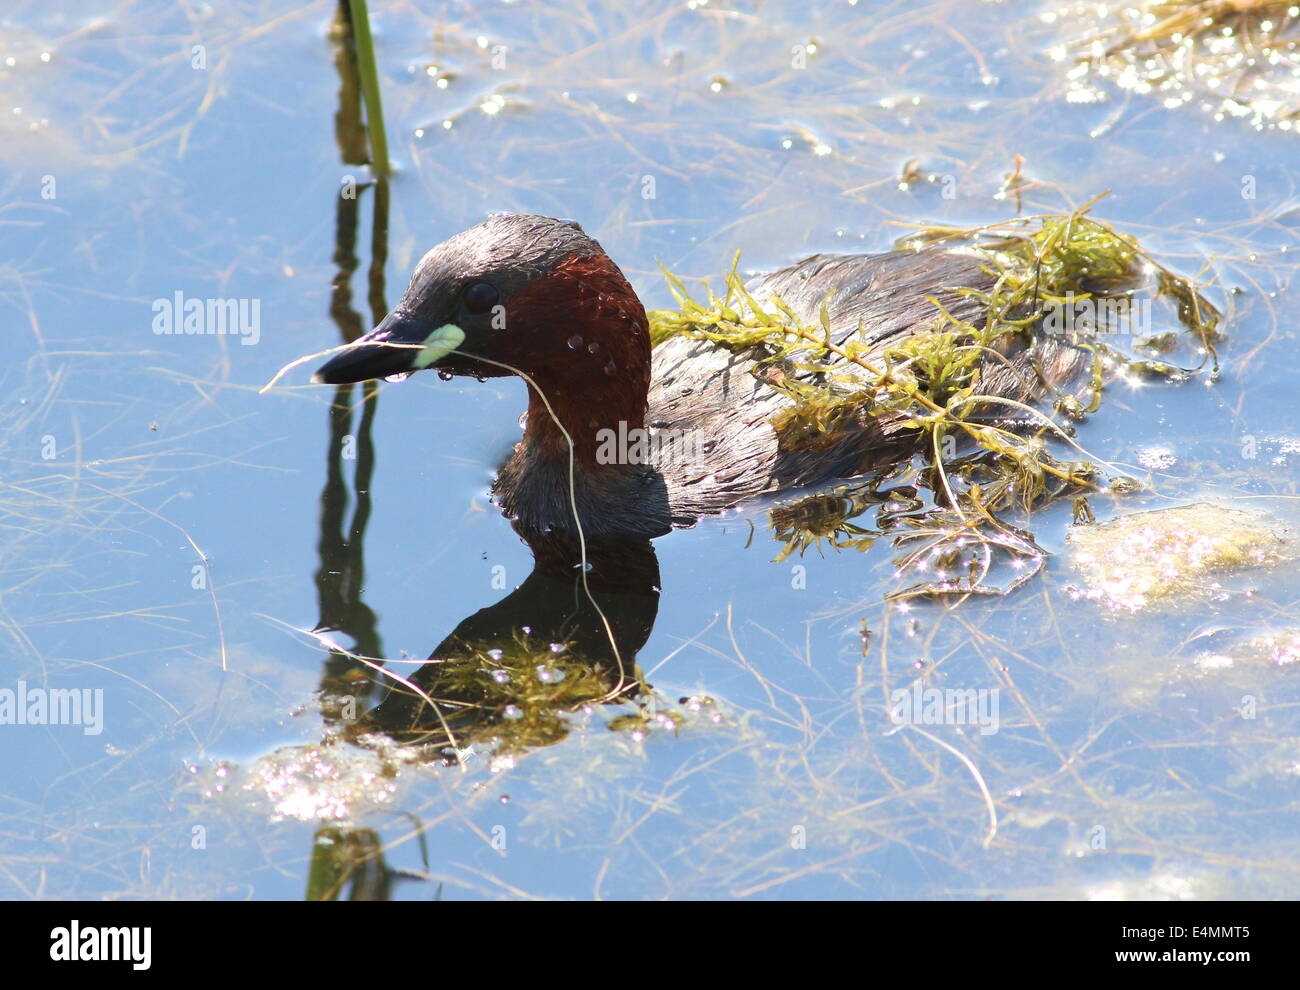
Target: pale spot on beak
[{"x": 439, "y": 344}]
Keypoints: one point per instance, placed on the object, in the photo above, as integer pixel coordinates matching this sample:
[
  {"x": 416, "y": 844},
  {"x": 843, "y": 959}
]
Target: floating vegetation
[
  {"x": 814, "y": 519},
  {"x": 1064, "y": 274},
  {"x": 507, "y": 698},
  {"x": 325, "y": 781},
  {"x": 642, "y": 722},
  {"x": 1230, "y": 58},
  {"x": 961, "y": 555},
  {"x": 500, "y": 701},
  {"x": 1137, "y": 560}
]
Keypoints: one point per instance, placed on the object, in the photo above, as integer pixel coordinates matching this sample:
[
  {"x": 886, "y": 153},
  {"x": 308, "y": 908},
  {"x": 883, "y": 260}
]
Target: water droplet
[
  {"x": 512, "y": 712},
  {"x": 445, "y": 375},
  {"x": 575, "y": 341},
  {"x": 593, "y": 347}
]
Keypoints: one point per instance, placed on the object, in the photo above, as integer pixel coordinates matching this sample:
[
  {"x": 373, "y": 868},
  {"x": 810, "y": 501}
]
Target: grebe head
[{"x": 530, "y": 292}]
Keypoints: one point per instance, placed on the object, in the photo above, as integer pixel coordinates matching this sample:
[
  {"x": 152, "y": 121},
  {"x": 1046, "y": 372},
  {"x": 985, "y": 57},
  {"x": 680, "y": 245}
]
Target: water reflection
[
  {"x": 350, "y": 859},
  {"x": 508, "y": 674}
]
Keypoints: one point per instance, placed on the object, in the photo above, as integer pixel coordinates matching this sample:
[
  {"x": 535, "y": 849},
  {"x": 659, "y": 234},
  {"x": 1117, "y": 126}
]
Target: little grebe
[{"x": 538, "y": 295}]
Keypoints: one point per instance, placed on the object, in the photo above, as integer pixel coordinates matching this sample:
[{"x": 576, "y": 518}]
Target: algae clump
[{"x": 1137, "y": 560}]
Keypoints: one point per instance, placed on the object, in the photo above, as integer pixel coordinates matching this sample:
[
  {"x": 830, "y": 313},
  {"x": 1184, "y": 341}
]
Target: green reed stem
[{"x": 365, "y": 45}]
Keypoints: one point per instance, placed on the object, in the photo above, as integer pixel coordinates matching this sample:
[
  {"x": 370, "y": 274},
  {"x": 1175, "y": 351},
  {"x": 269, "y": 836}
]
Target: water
[{"x": 172, "y": 534}]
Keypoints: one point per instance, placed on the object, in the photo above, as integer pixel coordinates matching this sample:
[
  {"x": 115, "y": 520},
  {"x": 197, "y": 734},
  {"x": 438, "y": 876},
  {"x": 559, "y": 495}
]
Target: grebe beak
[{"x": 401, "y": 344}]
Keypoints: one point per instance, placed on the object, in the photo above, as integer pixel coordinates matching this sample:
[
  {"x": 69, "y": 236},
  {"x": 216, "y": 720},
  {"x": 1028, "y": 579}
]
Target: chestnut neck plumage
[
  {"x": 583, "y": 338},
  {"x": 587, "y": 348}
]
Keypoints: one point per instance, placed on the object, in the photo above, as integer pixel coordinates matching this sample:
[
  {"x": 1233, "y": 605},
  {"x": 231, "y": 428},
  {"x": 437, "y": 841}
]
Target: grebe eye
[{"x": 480, "y": 297}]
